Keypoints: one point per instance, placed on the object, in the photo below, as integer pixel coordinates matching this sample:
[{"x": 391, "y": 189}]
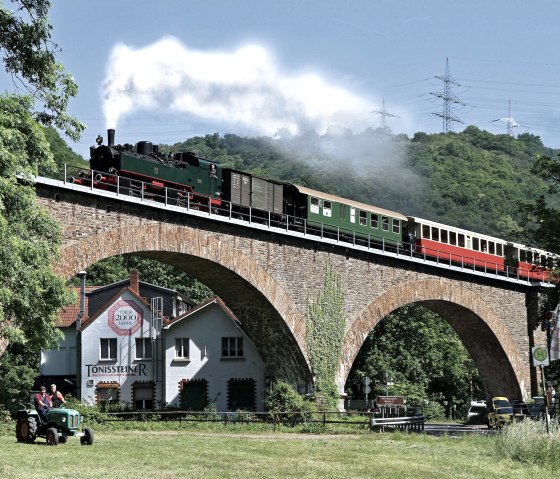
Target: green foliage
[
  {"x": 424, "y": 357},
  {"x": 62, "y": 155},
  {"x": 325, "y": 333},
  {"x": 29, "y": 56},
  {"x": 282, "y": 397},
  {"x": 117, "y": 268},
  {"x": 18, "y": 368},
  {"x": 30, "y": 293}
]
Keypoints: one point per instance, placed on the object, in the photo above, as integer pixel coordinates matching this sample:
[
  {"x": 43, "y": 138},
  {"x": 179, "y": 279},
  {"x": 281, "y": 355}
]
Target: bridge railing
[{"x": 193, "y": 201}]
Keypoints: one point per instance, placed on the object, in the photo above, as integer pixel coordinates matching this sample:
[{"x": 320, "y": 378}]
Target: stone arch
[
  {"x": 226, "y": 269},
  {"x": 502, "y": 366}
]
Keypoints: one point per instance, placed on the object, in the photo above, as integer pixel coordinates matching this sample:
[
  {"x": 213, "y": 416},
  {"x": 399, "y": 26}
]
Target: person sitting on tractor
[
  {"x": 43, "y": 403},
  {"x": 57, "y": 399}
]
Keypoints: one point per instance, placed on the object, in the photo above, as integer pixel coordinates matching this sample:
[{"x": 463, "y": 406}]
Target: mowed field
[{"x": 177, "y": 454}]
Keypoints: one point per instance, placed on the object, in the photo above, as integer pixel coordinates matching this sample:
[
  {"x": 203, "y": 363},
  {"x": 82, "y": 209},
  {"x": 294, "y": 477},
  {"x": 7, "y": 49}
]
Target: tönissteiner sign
[
  {"x": 125, "y": 317},
  {"x": 115, "y": 370}
]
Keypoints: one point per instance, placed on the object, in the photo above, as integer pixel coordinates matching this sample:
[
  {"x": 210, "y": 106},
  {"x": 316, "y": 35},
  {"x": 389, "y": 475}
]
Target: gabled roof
[
  {"x": 196, "y": 309},
  {"x": 126, "y": 282},
  {"x": 106, "y": 306},
  {"x": 67, "y": 317}
]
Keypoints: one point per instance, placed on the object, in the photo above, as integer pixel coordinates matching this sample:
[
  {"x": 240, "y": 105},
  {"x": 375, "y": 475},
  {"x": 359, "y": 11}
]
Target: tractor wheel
[
  {"x": 87, "y": 438},
  {"x": 52, "y": 437},
  {"x": 26, "y": 429}
]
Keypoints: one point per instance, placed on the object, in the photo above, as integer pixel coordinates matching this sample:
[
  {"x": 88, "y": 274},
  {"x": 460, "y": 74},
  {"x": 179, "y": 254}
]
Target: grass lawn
[{"x": 136, "y": 454}]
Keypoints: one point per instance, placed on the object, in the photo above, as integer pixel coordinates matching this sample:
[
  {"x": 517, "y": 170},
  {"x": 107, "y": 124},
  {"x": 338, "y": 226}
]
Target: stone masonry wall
[{"x": 268, "y": 279}]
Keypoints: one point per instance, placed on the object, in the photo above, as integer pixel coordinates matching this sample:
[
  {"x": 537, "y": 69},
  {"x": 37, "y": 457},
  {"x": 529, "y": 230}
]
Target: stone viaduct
[{"x": 267, "y": 279}]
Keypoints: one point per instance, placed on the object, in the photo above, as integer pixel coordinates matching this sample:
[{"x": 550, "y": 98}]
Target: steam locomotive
[{"x": 185, "y": 179}]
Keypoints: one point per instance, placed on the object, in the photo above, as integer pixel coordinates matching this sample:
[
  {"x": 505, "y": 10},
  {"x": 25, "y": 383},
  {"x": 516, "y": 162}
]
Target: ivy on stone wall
[{"x": 325, "y": 333}]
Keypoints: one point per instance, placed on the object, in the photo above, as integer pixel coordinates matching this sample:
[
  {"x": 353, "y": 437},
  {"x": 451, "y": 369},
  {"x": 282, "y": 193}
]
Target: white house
[
  {"x": 127, "y": 349},
  {"x": 210, "y": 360}
]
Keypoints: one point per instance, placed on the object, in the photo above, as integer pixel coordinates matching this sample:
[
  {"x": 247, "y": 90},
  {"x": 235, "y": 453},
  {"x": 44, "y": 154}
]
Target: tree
[
  {"x": 30, "y": 57},
  {"x": 30, "y": 293}
]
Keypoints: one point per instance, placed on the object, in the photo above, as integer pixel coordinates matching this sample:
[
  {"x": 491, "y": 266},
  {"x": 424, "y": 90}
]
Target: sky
[{"x": 169, "y": 70}]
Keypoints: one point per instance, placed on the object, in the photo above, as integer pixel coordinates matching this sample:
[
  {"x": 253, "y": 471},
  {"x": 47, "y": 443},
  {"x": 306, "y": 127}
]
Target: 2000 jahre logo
[{"x": 125, "y": 317}]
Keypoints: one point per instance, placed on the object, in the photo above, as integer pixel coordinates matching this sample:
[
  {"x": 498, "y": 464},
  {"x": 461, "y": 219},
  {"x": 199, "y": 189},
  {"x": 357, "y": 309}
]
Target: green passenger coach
[{"x": 345, "y": 217}]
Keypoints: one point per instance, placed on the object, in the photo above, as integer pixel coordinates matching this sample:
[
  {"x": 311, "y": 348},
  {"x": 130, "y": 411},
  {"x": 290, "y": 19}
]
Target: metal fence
[{"x": 351, "y": 419}]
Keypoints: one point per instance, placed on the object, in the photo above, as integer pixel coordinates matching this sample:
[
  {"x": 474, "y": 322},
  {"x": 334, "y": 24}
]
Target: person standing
[
  {"x": 57, "y": 399},
  {"x": 43, "y": 403}
]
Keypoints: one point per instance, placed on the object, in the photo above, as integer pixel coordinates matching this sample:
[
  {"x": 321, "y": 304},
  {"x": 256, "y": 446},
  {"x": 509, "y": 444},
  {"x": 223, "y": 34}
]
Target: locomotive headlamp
[{"x": 99, "y": 139}]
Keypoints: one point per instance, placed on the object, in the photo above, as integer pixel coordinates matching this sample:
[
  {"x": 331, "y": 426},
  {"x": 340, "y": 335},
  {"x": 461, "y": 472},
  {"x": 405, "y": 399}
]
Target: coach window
[
  {"x": 327, "y": 208},
  {"x": 314, "y": 205},
  {"x": 374, "y": 219},
  {"x": 461, "y": 240},
  {"x": 491, "y": 247},
  {"x": 443, "y": 236},
  {"x": 483, "y": 246},
  {"x": 435, "y": 233},
  {"x": 341, "y": 211},
  {"x": 384, "y": 223},
  {"x": 396, "y": 226},
  {"x": 499, "y": 250},
  {"x": 452, "y": 238},
  {"x": 108, "y": 349},
  {"x": 522, "y": 255},
  {"x": 352, "y": 215},
  {"x": 475, "y": 244},
  {"x": 425, "y": 231},
  {"x": 363, "y": 218}
]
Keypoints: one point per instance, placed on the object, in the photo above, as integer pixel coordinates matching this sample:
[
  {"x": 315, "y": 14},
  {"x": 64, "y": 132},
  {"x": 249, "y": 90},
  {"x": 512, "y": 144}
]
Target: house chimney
[{"x": 135, "y": 281}]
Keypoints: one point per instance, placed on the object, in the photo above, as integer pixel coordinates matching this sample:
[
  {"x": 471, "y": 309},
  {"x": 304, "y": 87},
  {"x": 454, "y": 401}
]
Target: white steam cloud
[{"x": 242, "y": 90}]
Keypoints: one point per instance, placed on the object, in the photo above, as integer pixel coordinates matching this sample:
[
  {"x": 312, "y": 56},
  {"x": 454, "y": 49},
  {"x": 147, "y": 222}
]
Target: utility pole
[
  {"x": 509, "y": 121},
  {"x": 384, "y": 114},
  {"x": 448, "y": 99}
]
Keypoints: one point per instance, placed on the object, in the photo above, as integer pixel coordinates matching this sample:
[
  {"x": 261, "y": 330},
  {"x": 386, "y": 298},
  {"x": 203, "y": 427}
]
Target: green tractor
[{"x": 60, "y": 424}]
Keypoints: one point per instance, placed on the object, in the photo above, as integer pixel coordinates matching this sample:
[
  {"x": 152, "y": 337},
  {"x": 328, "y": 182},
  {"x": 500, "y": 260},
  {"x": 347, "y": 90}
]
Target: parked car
[
  {"x": 477, "y": 412},
  {"x": 500, "y": 413}
]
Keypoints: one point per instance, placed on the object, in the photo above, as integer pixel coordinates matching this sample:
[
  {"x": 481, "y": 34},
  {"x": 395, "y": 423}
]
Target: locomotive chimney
[{"x": 110, "y": 137}]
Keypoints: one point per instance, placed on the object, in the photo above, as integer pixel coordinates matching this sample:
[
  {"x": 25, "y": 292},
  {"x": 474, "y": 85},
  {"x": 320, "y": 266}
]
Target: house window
[
  {"x": 107, "y": 393},
  {"x": 396, "y": 226},
  {"x": 242, "y": 395},
  {"x": 143, "y": 395},
  {"x": 108, "y": 348},
  {"x": 374, "y": 220},
  {"x": 181, "y": 348},
  {"x": 363, "y": 218},
  {"x": 143, "y": 348},
  {"x": 232, "y": 347}
]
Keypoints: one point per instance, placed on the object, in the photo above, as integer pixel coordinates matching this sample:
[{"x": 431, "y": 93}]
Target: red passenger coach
[{"x": 486, "y": 253}]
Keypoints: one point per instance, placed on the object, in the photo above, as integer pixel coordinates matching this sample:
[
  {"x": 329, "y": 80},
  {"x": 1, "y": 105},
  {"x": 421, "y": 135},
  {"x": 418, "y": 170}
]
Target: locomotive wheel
[
  {"x": 26, "y": 429},
  {"x": 52, "y": 437}
]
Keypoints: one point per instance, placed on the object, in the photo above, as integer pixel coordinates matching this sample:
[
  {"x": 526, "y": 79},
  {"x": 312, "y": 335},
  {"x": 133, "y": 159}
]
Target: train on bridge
[{"x": 185, "y": 179}]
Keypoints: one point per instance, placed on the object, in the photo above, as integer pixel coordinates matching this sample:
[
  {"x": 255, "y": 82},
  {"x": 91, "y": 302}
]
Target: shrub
[
  {"x": 528, "y": 442},
  {"x": 287, "y": 405}
]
